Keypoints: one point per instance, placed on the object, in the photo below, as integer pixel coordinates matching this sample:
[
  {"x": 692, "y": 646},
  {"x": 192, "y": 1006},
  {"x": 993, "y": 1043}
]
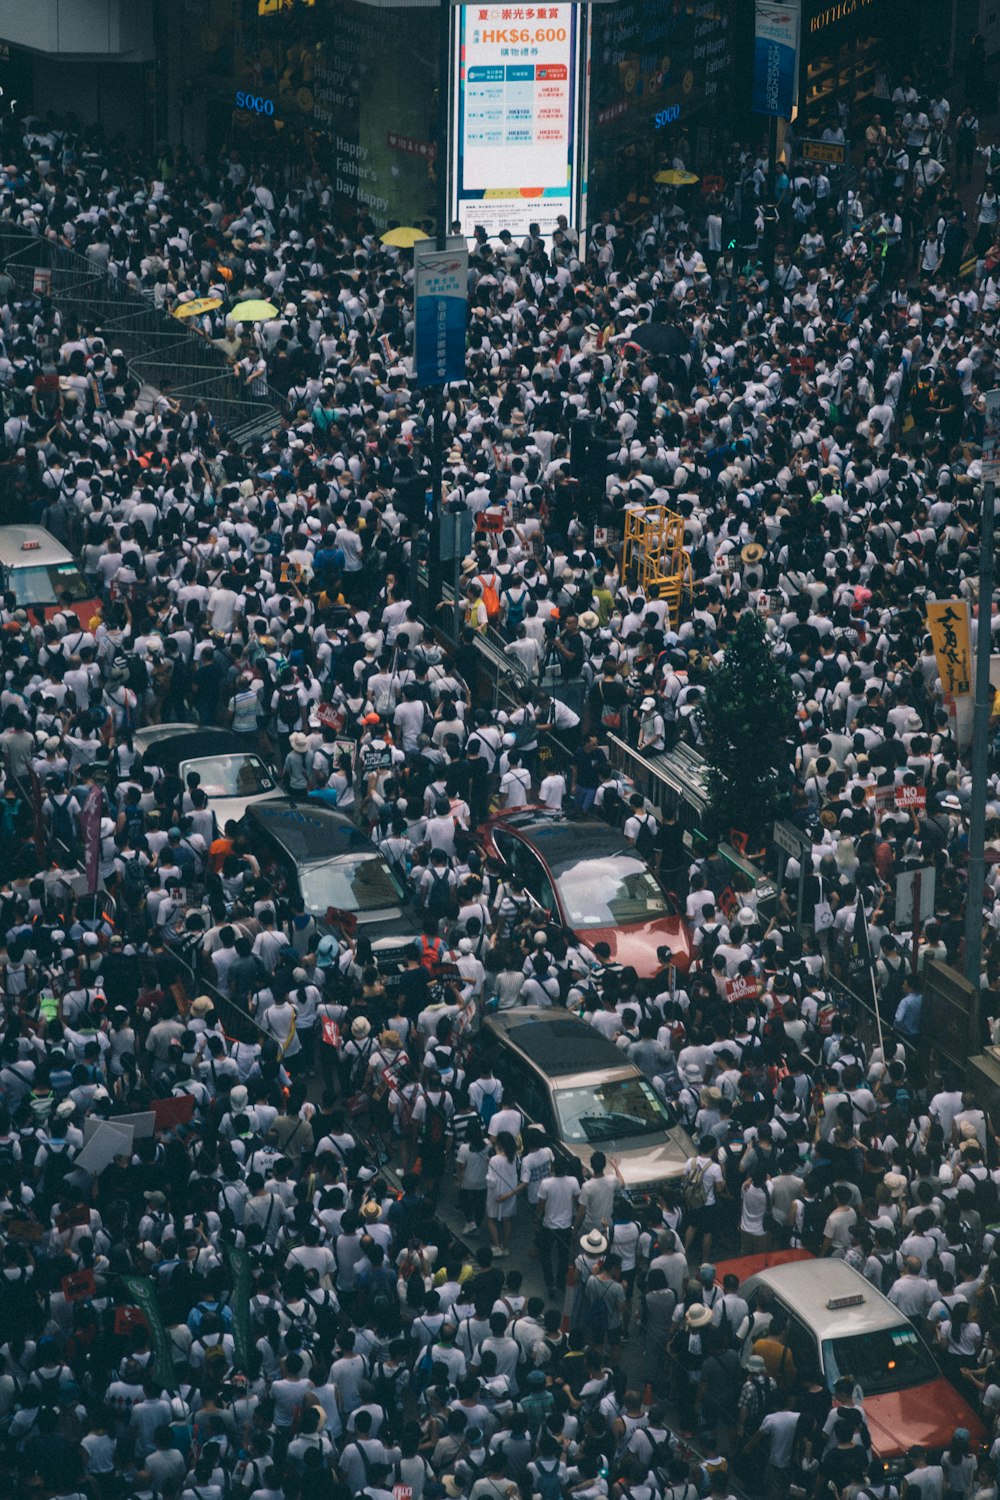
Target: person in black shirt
[
  {"x": 478, "y": 782},
  {"x": 588, "y": 767},
  {"x": 411, "y": 985},
  {"x": 487, "y": 1284},
  {"x": 844, "y": 1464},
  {"x": 570, "y": 648},
  {"x": 672, "y": 859},
  {"x": 803, "y": 637},
  {"x": 206, "y": 686}
]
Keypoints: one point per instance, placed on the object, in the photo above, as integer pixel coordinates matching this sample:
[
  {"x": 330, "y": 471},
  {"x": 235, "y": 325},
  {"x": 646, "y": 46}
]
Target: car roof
[
  {"x": 42, "y": 547},
  {"x": 808, "y": 1286},
  {"x": 193, "y": 744},
  {"x": 558, "y": 1044},
  {"x": 562, "y": 839},
  {"x": 309, "y": 832}
]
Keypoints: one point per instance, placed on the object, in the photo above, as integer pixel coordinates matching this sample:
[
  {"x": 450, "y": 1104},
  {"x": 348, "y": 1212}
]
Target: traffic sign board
[
  {"x": 906, "y": 883},
  {"x": 788, "y": 837},
  {"x": 833, "y": 153}
]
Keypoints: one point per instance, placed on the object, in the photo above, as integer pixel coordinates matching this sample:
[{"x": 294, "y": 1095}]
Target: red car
[
  {"x": 839, "y": 1324},
  {"x": 43, "y": 576},
  {"x": 593, "y": 882}
]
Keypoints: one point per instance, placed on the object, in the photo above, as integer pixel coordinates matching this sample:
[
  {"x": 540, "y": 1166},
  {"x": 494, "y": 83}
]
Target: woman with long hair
[{"x": 502, "y": 1182}]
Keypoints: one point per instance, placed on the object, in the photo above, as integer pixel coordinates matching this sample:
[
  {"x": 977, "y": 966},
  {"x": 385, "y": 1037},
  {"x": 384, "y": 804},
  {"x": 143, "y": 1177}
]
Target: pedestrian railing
[
  {"x": 157, "y": 346},
  {"x": 236, "y": 1022}
]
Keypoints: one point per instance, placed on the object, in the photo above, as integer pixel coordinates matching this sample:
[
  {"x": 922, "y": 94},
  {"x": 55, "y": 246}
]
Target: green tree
[{"x": 746, "y": 716}]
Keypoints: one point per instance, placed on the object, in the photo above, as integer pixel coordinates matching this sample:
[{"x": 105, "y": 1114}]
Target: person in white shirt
[
  {"x": 515, "y": 783},
  {"x": 555, "y": 1209},
  {"x": 703, "y": 1169},
  {"x": 552, "y": 792}
]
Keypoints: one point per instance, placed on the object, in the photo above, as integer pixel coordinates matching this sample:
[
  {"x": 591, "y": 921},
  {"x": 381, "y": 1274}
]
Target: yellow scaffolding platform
[{"x": 654, "y": 559}]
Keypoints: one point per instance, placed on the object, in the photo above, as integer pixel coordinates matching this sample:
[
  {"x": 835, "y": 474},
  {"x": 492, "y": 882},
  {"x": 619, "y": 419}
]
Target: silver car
[
  {"x": 586, "y": 1095},
  {"x": 233, "y": 778}
]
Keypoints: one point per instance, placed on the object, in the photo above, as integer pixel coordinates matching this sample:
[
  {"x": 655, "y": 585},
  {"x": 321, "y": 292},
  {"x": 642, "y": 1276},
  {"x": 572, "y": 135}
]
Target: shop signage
[
  {"x": 833, "y": 153},
  {"x": 255, "y": 103},
  {"x": 831, "y": 14}
]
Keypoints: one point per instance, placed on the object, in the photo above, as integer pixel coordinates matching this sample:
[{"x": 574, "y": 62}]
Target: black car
[{"x": 345, "y": 883}]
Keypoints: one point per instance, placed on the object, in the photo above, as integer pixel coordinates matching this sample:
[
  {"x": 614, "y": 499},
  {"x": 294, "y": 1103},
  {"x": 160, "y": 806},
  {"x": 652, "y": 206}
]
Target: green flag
[
  {"x": 239, "y": 1265},
  {"x": 143, "y": 1293}
]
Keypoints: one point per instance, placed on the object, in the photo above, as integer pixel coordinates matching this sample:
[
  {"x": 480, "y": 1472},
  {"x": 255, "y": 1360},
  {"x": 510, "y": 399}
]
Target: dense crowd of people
[{"x": 819, "y": 431}]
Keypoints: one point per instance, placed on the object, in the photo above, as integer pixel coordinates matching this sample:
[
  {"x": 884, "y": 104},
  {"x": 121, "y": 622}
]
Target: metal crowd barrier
[{"x": 157, "y": 346}]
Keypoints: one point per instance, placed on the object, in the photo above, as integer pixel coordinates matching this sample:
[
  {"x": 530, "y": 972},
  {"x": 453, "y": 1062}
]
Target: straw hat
[{"x": 698, "y": 1316}]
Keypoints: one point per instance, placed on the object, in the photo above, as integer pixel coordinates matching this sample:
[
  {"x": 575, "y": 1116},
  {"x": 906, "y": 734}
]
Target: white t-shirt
[
  {"x": 559, "y": 1194},
  {"x": 514, "y": 786},
  {"x": 711, "y": 1177}
]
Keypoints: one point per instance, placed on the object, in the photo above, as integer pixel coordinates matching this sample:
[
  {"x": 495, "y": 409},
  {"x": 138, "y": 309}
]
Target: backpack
[
  {"x": 10, "y": 818},
  {"x": 488, "y": 1107},
  {"x": 386, "y": 1384},
  {"x": 422, "y": 1372},
  {"x": 441, "y": 896},
  {"x": 547, "y": 1482},
  {"x": 814, "y": 1217},
  {"x": 645, "y": 842},
  {"x": 491, "y": 598},
  {"x": 557, "y": 1352},
  {"x": 595, "y": 1311},
  {"x": 289, "y": 708},
  {"x": 299, "y": 1333},
  {"x": 432, "y": 952},
  {"x": 135, "y": 820},
  {"x": 889, "y": 1274},
  {"x": 63, "y": 832},
  {"x": 133, "y": 880},
  {"x": 50, "y": 1385},
  {"x": 216, "y": 1363},
  {"x": 435, "y": 1123},
  {"x": 985, "y": 1192},
  {"x": 515, "y": 612},
  {"x": 892, "y": 991},
  {"x": 57, "y": 1164},
  {"x": 693, "y": 1191}
]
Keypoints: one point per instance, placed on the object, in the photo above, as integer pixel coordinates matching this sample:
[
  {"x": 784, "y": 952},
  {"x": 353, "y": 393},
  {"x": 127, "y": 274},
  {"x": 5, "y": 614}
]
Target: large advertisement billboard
[{"x": 515, "y": 112}]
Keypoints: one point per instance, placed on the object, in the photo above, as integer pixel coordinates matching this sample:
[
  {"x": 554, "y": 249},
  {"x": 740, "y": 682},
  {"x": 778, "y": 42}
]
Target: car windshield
[
  {"x": 358, "y": 883},
  {"x": 606, "y": 1111},
  {"x": 56, "y": 583},
  {"x": 889, "y": 1359},
  {"x": 231, "y": 775},
  {"x": 610, "y": 892}
]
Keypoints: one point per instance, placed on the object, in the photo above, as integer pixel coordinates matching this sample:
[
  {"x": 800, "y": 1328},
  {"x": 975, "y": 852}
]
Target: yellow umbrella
[
  {"x": 672, "y": 177},
  {"x": 403, "y": 237},
  {"x": 197, "y": 306},
  {"x": 254, "y": 311}
]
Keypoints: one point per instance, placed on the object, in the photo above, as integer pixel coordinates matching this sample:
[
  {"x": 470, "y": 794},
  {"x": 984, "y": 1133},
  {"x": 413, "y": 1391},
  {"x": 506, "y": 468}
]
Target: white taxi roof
[
  {"x": 30, "y": 547},
  {"x": 808, "y": 1287}
]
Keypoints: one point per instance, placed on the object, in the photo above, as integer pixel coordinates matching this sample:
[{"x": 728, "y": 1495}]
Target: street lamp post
[{"x": 434, "y": 568}]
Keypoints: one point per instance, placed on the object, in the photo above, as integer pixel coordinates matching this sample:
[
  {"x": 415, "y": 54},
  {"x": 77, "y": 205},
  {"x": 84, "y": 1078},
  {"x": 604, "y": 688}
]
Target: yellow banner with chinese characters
[{"x": 948, "y": 623}]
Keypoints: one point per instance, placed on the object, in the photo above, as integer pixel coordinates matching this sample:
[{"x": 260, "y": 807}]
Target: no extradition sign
[{"x": 441, "y": 297}]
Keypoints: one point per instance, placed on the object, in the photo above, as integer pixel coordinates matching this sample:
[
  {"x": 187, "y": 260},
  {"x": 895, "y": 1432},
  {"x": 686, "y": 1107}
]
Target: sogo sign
[
  {"x": 667, "y": 116},
  {"x": 254, "y": 102}
]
